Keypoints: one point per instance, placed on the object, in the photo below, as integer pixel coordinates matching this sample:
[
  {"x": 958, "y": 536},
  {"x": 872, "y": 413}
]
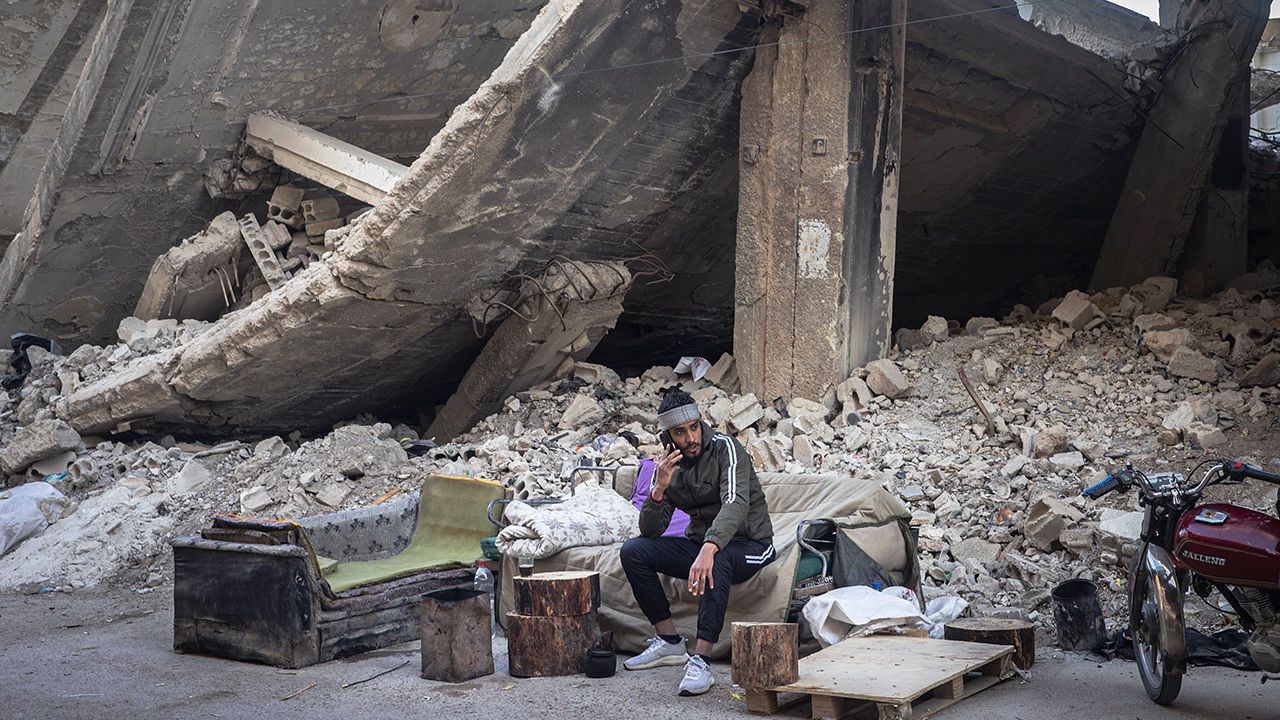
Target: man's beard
[{"x": 692, "y": 450}]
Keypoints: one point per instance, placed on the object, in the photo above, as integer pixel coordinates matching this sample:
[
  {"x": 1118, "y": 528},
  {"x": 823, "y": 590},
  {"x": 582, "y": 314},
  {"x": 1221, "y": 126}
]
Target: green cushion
[
  {"x": 810, "y": 565},
  {"x": 451, "y": 523},
  {"x": 327, "y": 565}
]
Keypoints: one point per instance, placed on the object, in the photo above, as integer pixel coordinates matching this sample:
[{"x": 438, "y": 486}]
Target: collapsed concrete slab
[
  {"x": 560, "y": 319},
  {"x": 382, "y": 323},
  {"x": 161, "y": 92}
]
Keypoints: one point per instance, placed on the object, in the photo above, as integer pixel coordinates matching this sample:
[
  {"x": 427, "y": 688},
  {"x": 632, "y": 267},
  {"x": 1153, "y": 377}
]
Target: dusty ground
[{"x": 107, "y": 655}]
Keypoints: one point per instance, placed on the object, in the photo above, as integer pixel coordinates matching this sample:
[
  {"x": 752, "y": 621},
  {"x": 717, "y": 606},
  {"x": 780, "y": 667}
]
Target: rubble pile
[
  {"x": 1083, "y": 384},
  {"x": 992, "y": 474}
]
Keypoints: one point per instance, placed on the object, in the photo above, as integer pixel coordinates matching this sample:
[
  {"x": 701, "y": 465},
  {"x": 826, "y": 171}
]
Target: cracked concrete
[{"x": 653, "y": 184}]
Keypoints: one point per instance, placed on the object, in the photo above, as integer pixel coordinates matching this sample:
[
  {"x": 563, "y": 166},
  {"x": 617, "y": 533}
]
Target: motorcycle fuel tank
[{"x": 1230, "y": 544}]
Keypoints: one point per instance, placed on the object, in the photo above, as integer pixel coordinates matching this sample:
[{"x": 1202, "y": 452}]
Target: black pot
[{"x": 601, "y": 663}]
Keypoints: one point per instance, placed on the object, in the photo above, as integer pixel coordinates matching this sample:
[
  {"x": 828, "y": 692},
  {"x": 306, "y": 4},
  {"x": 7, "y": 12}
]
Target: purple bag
[{"x": 644, "y": 481}]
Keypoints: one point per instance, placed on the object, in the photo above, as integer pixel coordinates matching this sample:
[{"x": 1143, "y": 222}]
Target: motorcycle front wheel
[{"x": 1162, "y": 685}]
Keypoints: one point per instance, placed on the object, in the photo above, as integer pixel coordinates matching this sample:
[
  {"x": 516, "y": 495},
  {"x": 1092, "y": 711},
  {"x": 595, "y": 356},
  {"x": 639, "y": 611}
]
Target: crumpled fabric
[{"x": 594, "y": 515}]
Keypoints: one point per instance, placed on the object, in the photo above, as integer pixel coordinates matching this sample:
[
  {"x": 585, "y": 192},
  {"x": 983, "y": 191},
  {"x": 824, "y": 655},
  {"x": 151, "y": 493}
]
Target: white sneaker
[
  {"x": 697, "y": 677},
  {"x": 659, "y": 652}
]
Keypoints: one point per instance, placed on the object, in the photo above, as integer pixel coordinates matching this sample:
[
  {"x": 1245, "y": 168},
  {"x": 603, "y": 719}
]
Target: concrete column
[
  {"x": 820, "y": 135},
  {"x": 1217, "y": 249},
  {"x": 1171, "y": 165}
]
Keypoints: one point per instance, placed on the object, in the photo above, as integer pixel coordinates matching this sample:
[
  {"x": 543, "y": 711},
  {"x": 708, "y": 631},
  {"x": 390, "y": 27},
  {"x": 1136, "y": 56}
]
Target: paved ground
[{"x": 93, "y": 655}]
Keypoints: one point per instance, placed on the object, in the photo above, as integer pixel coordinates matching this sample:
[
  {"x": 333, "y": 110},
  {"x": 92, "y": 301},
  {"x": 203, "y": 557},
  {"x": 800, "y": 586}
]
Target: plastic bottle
[{"x": 484, "y": 583}]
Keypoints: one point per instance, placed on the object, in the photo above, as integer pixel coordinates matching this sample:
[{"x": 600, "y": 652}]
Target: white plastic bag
[
  {"x": 942, "y": 610},
  {"x": 856, "y": 611},
  {"x": 26, "y": 510}
]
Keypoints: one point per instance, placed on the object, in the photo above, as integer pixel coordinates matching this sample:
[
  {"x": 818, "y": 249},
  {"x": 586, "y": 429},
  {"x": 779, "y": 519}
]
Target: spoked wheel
[{"x": 1162, "y": 685}]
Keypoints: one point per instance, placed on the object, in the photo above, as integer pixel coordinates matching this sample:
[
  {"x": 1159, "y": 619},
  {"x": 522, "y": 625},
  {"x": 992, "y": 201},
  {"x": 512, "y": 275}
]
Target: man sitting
[{"x": 709, "y": 476}]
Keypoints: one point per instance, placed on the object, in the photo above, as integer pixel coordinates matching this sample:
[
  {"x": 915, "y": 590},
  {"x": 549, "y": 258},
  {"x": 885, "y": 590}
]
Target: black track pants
[{"x": 644, "y": 558}]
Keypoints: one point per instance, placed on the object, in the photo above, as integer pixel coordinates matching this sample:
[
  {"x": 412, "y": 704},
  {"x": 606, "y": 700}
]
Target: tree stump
[
  {"x": 997, "y": 631},
  {"x": 549, "y": 646},
  {"x": 457, "y": 635},
  {"x": 557, "y": 594},
  {"x": 766, "y": 655}
]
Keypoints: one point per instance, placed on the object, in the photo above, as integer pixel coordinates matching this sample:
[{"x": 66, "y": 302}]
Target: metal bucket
[{"x": 1077, "y": 613}]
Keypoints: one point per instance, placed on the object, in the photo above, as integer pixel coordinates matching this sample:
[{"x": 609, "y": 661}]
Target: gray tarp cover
[{"x": 763, "y": 598}]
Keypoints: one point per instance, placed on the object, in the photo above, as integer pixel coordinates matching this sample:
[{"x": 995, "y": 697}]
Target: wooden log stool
[
  {"x": 457, "y": 635},
  {"x": 765, "y": 655},
  {"x": 997, "y": 631},
  {"x": 554, "y": 623}
]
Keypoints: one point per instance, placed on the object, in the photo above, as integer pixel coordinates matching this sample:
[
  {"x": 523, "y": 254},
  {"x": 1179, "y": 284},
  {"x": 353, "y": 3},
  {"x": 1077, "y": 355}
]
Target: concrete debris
[
  {"x": 744, "y": 412},
  {"x": 582, "y": 410},
  {"x": 1153, "y": 321},
  {"x": 1188, "y": 363},
  {"x": 1047, "y": 519},
  {"x": 39, "y": 440},
  {"x": 1266, "y": 373},
  {"x": 934, "y": 330},
  {"x": 1163, "y": 343},
  {"x": 884, "y": 378},
  {"x": 999, "y": 515},
  {"x": 1050, "y": 441},
  {"x": 1076, "y": 311}
]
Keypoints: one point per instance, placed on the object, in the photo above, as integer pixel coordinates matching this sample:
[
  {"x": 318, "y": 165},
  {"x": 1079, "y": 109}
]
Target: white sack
[{"x": 26, "y": 510}]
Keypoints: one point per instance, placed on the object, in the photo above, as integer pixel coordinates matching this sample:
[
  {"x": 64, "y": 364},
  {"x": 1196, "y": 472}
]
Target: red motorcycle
[{"x": 1187, "y": 546}]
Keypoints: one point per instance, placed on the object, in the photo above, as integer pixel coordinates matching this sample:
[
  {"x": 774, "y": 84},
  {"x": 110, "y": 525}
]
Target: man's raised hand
[{"x": 666, "y": 468}]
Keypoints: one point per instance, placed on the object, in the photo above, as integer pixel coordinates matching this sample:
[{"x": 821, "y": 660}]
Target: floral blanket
[{"x": 593, "y": 516}]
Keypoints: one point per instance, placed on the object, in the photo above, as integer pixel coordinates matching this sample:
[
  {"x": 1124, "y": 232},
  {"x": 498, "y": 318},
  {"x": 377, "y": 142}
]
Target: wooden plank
[
  {"x": 892, "y": 670},
  {"x": 927, "y": 708},
  {"x": 828, "y": 706},
  {"x": 762, "y": 702}
]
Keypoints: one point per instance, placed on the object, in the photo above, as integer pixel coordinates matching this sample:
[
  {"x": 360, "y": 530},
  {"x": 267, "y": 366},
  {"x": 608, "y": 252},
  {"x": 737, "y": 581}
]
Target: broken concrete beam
[
  {"x": 136, "y": 391},
  {"x": 35, "y": 442},
  {"x": 319, "y": 209},
  {"x": 1184, "y": 127},
  {"x": 331, "y": 162},
  {"x": 381, "y": 324},
  {"x": 570, "y": 307},
  {"x": 195, "y": 279}
]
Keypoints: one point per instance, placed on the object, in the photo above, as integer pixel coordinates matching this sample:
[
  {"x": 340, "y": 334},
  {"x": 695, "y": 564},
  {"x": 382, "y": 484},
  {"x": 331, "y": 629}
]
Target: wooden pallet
[{"x": 889, "y": 677}]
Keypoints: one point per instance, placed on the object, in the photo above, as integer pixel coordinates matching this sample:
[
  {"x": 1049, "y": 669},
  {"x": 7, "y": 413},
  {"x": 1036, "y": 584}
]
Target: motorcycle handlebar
[
  {"x": 1102, "y": 488},
  {"x": 1239, "y": 470}
]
